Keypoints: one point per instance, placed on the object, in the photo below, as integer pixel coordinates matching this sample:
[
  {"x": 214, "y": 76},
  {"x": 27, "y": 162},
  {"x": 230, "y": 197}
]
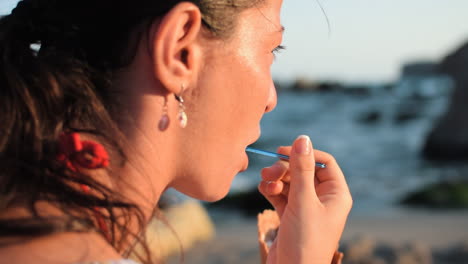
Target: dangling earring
[
  {"x": 164, "y": 121},
  {"x": 182, "y": 115}
]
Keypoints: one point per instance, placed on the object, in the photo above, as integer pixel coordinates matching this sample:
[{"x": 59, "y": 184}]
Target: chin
[
  {"x": 210, "y": 187},
  {"x": 214, "y": 197},
  {"x": 207, "y": 193}
]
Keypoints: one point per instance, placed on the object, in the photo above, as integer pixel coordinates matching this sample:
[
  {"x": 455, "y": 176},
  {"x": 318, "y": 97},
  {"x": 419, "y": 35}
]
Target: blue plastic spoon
[{"x": 277, "y": 155}]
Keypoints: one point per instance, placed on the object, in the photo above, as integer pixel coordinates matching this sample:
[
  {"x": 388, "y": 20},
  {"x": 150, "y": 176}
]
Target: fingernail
[
  {"x": 270, "y": 186},
  {"x": 302, "y": 145}
]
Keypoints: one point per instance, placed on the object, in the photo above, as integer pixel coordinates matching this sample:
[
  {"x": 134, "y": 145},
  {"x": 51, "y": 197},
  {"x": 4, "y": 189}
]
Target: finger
[
  {"x": 277, "y": 201},
  {"x": 332, "y": 189},
  {"x": 273, "y": 187},
  {"x": 285, "y": 190},
  {"x": 285, "y": 150},
  {"x": 302, "y": 168},
  {"x": 286, "y": 177},
  {"x": 276, "y": 171},
  {"x": 332, "y": 172}
]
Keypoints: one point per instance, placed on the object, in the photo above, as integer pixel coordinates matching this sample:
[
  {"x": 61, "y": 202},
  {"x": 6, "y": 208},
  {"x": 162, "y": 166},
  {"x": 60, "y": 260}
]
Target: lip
[
  {"x": 259, "y": 133},
  {"x": 246, "y": 163}
]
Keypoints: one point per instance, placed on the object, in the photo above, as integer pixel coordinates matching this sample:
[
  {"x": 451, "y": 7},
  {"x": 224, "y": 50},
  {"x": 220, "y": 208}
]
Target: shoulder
[{"x": 119, "y": 261}]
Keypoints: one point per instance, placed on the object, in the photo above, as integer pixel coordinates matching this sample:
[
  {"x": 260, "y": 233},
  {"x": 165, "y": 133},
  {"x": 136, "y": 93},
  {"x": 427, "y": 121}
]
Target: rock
[
  {"x": 302, "y": 84},
  {"x": 375, "y": 260},
  {"x": 388, "y": 86},
  {"x": 370, "y": 117},
  {"x": 250, "y": 202},
  {"x": 358, "y": 90},
  {"x": 414, "y": 253},
  {"x": 364, "y": 250},
  {"x": 407, "y": 112},
  {"x": 387, "y": 252},
  {"x": 359, "y": 250},
  {"x": 329, "y": 87},
  {"x": 449, "y": 138},
  {"x": 443, "y": 195},
  {"x": 460, "y": 250},
  {"x": 456, "y": 254},
  {"x": 419, "y": 68},
  {"x": 179, "y": 227},
  {"x": 407, "y": 259}
]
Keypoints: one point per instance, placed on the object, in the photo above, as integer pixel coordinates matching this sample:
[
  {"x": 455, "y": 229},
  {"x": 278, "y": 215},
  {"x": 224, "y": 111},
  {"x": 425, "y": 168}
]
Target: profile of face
[{"x": 234, "y": 90}]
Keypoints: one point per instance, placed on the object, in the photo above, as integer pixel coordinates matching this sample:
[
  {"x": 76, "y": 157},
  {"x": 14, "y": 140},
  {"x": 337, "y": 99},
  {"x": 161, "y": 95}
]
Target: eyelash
[{"x": 278, "y": 49}]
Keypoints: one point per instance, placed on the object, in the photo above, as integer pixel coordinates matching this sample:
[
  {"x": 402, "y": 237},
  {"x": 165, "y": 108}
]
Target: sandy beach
[
  {"x": 432, "y": 228},
  {"x": 235, "y": 240}
]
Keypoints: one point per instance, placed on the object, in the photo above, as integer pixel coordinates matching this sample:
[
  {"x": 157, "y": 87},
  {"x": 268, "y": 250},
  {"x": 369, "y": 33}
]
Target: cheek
[{"x": 257, "y": 94}]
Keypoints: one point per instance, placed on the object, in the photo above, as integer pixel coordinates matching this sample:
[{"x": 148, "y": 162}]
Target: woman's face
[{"x": 233, "y": 91}]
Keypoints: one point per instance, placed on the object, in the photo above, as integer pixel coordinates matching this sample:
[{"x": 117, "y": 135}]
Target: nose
[{"x": 272, "y": 98}]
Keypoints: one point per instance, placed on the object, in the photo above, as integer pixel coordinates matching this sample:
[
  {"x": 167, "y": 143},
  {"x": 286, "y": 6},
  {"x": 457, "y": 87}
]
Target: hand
[{"x": 312, "y": 203}]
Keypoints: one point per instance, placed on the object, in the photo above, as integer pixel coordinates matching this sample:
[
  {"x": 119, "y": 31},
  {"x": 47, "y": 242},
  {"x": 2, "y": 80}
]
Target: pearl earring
[{"x": 182, "y": 115}]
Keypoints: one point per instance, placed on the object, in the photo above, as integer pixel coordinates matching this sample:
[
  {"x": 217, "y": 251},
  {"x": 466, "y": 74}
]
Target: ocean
[{"x": 376, "y": 137}]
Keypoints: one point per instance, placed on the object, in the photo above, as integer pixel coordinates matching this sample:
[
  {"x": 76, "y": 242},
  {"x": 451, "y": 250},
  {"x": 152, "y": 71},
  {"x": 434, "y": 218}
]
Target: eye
[{"x": 278, "y": 49}]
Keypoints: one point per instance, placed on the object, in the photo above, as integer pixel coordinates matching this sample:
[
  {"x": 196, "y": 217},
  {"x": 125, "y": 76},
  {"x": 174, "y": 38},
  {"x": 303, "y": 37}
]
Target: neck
[{"x": 151, "y": 153}]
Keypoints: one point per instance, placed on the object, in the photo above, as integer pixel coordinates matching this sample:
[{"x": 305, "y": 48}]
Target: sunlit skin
[
  {"x": 236, "y": 89},
  {"x": 227, "y": 88}
]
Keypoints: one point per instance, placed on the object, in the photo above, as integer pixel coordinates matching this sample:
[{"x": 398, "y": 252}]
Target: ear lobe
[{"x": 175, "y": 53}]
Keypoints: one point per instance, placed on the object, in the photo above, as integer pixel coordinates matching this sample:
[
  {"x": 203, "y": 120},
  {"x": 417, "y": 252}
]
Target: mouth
[{"x": 246, "y": 163}]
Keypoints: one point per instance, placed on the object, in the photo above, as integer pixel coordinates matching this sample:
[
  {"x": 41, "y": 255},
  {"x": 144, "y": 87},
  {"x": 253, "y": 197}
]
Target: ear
[{"x": 176, "y": 51}]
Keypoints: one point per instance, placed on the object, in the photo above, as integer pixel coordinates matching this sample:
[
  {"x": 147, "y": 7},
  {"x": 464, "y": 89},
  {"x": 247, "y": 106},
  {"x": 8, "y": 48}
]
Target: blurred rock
[
  {"x": 302, "y": 84},
  {"x": 443, "y": 195},
  {"x": 420, "y": 81},
  {"x": 359, "y": 250},
  {"x": 329, "y": 86},
  {"x": 371, "y": 117},
  {"x": 457, "y": 254},
  {"x": 176, "y": 228},
  {"x": 387, "y": 252},
  {"x": 358, "y": 90},
  {"x": 407, "y": 112},
  {"x": 414, "y": 253},
  {"x": 420, "y": 68},
  {"x": 388, "y": 86},
  {"x": 364, "y": 250},
  {"x": 250, "y": 202},
  {"x": 449, "y": 138}
]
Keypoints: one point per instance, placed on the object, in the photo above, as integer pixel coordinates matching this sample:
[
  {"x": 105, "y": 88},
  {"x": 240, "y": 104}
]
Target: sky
[{"x": 368, "y": 40}]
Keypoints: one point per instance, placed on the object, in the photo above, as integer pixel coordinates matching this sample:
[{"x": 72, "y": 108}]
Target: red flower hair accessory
[{"x": 87, "y": 154}]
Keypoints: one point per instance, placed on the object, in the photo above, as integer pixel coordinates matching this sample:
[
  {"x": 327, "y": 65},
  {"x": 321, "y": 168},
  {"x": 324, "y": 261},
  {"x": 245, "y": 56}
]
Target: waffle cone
[{"x": 268, "y": 224}]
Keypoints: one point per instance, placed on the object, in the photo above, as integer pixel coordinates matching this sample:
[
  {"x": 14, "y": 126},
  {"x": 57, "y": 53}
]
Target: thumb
[{"x": 302, "y": 168}]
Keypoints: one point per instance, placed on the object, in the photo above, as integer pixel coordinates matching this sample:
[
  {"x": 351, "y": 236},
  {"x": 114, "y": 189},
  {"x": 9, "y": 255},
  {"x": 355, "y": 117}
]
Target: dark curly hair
[{"x": 57, "y": 62}]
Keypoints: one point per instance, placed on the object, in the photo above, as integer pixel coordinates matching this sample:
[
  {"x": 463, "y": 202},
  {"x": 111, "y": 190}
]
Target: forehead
[{"x": 265, "y": 17}]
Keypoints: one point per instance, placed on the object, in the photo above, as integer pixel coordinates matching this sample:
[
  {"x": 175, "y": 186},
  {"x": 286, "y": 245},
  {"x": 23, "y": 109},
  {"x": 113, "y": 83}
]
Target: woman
[{"x": 105, "y": 104}]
